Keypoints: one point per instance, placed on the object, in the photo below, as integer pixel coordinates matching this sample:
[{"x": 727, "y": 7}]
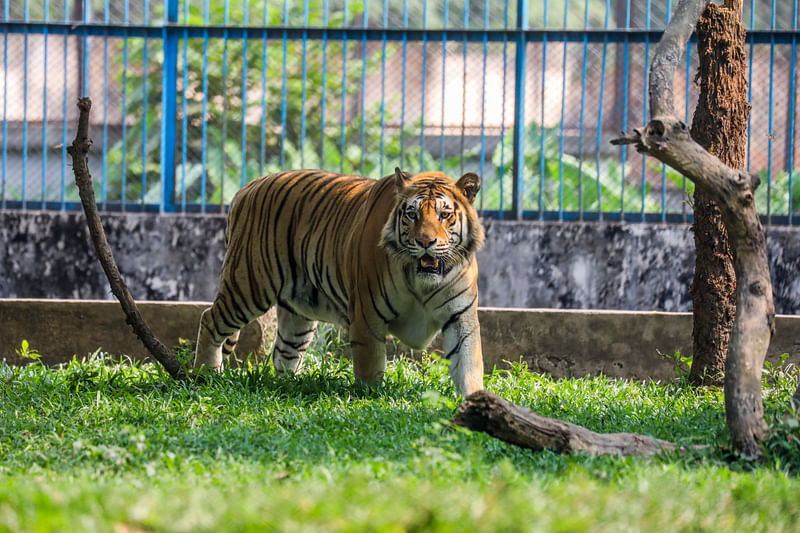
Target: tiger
[{"x": 394, "y": 255}]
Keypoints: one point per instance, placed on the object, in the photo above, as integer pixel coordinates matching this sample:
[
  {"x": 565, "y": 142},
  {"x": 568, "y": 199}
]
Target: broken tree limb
[
  {"x": 667, "y": 139},
  {"x": 487, "y": 412},
  {"x": 79, "y": 151}
]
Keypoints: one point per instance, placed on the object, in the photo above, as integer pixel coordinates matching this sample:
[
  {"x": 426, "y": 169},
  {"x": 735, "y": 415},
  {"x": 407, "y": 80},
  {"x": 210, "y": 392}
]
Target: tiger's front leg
[
  {"x": 369, "y": 352},
  {"x": 462, "y": 348}
]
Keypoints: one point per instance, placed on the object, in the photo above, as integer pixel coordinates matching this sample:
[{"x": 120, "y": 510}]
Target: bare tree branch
[
  {"x": 666, "y": 138},
  {"x": 79, "y": 152},
  {"x": 668, "y": 52}
]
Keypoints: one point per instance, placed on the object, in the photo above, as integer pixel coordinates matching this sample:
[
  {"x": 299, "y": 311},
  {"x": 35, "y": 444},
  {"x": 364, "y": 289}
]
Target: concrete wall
[
  {"x": 523, "y": 265},
  {"x": 561, "y": 343}
]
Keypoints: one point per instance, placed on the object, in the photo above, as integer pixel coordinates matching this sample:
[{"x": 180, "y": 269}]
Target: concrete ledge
[
  {"x": 560, "y": 342},
  {"x": 59, "y": 329},
  {"x": 624, "y": 344}
]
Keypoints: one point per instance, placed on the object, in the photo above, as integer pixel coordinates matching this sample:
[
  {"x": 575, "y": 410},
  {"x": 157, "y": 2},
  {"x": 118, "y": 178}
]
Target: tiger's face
[{"x": 434, "y": 228}]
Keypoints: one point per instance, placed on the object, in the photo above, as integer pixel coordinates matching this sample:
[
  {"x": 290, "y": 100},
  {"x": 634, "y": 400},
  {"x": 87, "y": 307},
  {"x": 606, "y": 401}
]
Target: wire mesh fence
[{"x": 193, "y": 99}]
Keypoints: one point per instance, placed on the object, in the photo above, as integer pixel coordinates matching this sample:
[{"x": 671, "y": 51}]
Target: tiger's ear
[
  {"x": 401, "y": 179},
  {"x": 469, "y": 184}
]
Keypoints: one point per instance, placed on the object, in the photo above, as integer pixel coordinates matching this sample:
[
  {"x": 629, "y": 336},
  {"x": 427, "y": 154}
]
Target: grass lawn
[{"x": 101, "y": 446}]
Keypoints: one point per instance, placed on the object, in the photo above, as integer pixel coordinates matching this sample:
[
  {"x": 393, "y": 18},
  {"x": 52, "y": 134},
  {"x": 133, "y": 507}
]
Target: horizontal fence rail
[{"x": 193, "y": 99}]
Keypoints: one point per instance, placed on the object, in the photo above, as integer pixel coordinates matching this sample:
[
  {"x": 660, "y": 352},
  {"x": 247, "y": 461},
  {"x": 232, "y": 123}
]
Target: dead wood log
[
  {"x": 487, "y": 412},
  {"x": 667, "y": 139},
  {"x": 79, "y": 151}
]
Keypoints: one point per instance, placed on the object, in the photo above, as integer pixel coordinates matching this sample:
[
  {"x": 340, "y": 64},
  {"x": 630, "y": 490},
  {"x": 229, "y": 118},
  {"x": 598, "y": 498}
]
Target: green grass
[{"x": 103, "y": 446}]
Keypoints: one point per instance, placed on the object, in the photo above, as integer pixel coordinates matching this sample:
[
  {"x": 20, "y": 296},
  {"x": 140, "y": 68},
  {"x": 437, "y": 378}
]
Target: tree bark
[
  {"x": 667, "y": 139},
  {"x": 720, "y": 126},
  {"x": 487, "y": 412},
  {"x": 79, "y": 152}
]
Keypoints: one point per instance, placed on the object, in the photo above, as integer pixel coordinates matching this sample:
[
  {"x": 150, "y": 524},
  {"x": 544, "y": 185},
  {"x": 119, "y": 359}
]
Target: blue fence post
[
  {"x": 169, "y": 97},
  {"x": 518, "y": 164}
]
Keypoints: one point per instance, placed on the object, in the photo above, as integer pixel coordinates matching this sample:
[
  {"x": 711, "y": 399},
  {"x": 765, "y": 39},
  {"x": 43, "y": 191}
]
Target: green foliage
[
  {"x": 304, "y": 125},
  {"x": 292, "y": 134},
  {"x": 780, "y": 199},
  {"x": 257, "y": 124},
  {"x": 566, "y": 182},
  {"x": 103, "y": 445},
  {"x": 783, "y": 440},
  {"x": 231, "y": 83},
  {"x": 683, "y": 365},
  {"x": 25, "y": 352}
]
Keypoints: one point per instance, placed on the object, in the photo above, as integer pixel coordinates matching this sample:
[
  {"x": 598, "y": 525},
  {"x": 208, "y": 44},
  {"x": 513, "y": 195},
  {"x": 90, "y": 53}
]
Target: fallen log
[{"x": 487, "y": 412}]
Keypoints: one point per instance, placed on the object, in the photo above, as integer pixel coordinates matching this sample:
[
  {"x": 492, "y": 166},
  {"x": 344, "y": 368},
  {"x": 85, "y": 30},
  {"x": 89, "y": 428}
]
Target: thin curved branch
[{"x": 79, "y": 151}]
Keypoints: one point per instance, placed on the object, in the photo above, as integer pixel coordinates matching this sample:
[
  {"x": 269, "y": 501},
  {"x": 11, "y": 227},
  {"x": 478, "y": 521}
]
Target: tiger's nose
[{"x": 425, "y": 242}]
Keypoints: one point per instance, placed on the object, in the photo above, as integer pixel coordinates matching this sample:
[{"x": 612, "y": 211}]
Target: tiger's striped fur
[{"x": 396, "y": 255}]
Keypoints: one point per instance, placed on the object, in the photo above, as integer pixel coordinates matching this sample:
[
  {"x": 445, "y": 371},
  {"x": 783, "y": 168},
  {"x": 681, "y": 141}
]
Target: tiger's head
[{"x": 433, "y": 228}]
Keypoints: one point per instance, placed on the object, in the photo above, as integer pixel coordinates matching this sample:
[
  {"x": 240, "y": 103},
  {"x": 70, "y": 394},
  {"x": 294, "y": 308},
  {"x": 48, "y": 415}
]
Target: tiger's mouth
[{"x": 430, "y": 265}]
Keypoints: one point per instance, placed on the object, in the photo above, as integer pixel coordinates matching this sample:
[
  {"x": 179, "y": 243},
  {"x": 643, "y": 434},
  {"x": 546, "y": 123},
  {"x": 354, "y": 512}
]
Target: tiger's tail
[{"x": 230, "y": 344}]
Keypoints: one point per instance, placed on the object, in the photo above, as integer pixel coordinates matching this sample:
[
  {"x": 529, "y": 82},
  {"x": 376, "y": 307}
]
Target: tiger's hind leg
[
  {"x": 295, "y": 333},
  {"x": 219, "y": 333}
]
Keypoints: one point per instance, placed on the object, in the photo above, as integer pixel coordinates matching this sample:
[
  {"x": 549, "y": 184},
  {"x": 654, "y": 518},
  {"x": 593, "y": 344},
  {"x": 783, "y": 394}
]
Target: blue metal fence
[{"x": 194, "y": 98}]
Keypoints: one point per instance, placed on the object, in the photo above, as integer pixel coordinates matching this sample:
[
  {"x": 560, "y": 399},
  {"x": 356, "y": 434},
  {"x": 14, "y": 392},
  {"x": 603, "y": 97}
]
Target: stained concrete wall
[
  {"x": 523, "y": 265},
  {"x": 561, "y": 343}
]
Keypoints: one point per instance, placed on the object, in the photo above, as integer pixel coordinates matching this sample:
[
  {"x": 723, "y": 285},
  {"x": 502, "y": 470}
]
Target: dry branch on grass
[
  {"x": 487, "y": 412},
  {"x": 79, "y": 151}
]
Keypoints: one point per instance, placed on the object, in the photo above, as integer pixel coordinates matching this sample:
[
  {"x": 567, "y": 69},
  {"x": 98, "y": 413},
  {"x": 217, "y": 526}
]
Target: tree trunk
[{"x": 719, "y": 126}]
